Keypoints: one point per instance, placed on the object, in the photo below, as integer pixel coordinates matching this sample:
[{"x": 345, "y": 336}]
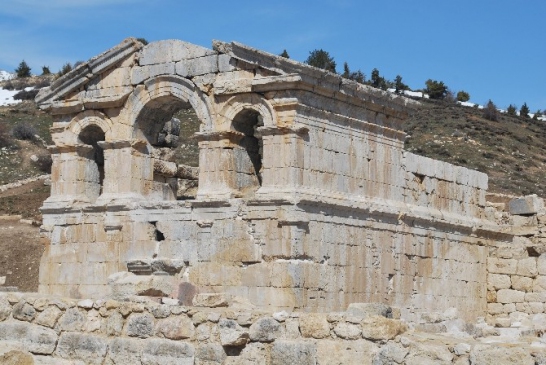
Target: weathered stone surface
[
  {"x": 365, "y": 310},
  {"x": 114, "y": 324},
  {"x": 265, "y": 329},
  {"x": 16, "y": 357},
  {"x": 88, "y": 348},
  {"x": 500, "y": 355},
  {"x": 231, "y": 334},
  {"x": 510, "y": 296},
  {"x": 5, "y": 309},
  {"x": 23, "y": 312},
  {"x": 347, "y": 331},
  {"x": 314, "y": 325},
  {"x": 428, "y": 354},
  {"x": 164, "y": 352},
  {"x": 210, "y": 300},
  {"x": 175, "y": 328},
  {"x": 381, "y": 328},
  {"x": 72, "y": 320},
  {"x": 49, "y": 316},
  {"x": 498, "y": 281},
  {"x": 293, "y": 352},
  {"x": 139, "y": 325},
  {"x": 530, "y": 204},
  {"x": 359, "y": 352},
  {"x": 252, "y": 354},
  {"x": 35, "y": 339},
  {"x": 210, "y": 354},
  {"x": 391, "y": 353},
  {"x": 124, "y": 351}
]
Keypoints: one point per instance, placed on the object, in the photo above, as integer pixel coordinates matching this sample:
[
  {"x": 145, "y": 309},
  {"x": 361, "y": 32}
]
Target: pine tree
[
  {"x": 436, "y": 89},
  {"x": 399, "y": 86},
  {"x": 321, "y": 59},
  {"x": 463, "y": 96},
  {"x": 377, "y": 81},
  {"x": 511, "y": 110},
  {"x": 23, "y": 70},
  {"x": 346, "y": 71},
  {"x": 284, "y": 54},
  {"x": 490, "y": 111},
  {"x": 524, "y": 111},
  {"x": 45, "y": 70}
]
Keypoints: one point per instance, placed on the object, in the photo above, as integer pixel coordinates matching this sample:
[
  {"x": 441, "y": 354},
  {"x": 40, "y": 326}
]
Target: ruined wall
[{"x": 516, "y": 280}]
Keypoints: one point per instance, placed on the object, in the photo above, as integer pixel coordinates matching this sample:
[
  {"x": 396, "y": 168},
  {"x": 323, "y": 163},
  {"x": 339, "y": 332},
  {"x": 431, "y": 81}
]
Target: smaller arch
[
  {"x": 84, "y": 120},
  {"x": 236, "y": 104}
]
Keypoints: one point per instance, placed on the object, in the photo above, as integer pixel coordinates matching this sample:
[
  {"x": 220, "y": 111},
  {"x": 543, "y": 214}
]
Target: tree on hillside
[
  {"x": 67, "y": 67},
  {"x": 537, "y": 114},
  {"x": 490, "y": 111},
  {"x": 435, "y": 89},
  {"x": 357, "y": 76},
  {"x": 463, "y": 96},
  {"x": 378, "y": 81},
  {"x": 45, "y": 70},
  {"x": 23, "y": 70},
  {"x": 284, "y": 54},
  {"x": 321, "y": 59},
  {"x": 524, "y": 111},
  {"x": 399, "y": 86},
  {"x": 511, "y": 110}
]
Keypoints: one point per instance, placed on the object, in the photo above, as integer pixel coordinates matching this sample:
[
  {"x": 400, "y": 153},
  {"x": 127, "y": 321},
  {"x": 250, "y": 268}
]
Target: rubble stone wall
[{"x": 51, "y": 330}]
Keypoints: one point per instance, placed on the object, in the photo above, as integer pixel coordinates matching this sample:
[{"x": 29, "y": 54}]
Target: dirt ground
[{"x": 20, "y": 247}]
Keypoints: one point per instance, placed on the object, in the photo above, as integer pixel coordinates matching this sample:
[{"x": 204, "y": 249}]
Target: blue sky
[{"x": 493, "y": 49}]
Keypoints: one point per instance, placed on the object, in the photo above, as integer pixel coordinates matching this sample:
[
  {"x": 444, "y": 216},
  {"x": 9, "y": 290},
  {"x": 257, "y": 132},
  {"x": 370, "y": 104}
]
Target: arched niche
[{"x": 93, "y": 165}]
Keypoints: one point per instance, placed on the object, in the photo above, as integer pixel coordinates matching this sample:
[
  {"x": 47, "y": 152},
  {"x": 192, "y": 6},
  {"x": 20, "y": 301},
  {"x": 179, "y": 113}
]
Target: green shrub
[
  {"x": 24, "y": 131},
  {"x": 511, "y": 110},
  {"x": 524, "y": 111},
  {"x": 435, "y": 89},
  {"x": 321, "y": 59},
  {"x": 45, "y": 70}
]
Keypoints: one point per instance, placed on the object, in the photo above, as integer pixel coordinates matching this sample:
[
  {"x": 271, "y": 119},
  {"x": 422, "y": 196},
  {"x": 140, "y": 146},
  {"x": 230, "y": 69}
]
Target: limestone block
[
  {"x": 500, "y": 355},
  {"x": 175, "y": 328},
  {"x": 197, "y": 66},
  {"x": 541, "y": 264},
  {"x": 498, "y": 281},
  {"x": 171, "y": 50},
  {"x": 91, "y": 349},
  {"x": 139, "y": 74},
  {"x": 210, "y": 354},
  {"x": 495, "y": 308},
  {"x": 527, "y": 267},
  {"x": 293, "y": 352},
  {"x": 530, "y": 204},
  {"x": 425, "y": 353},
  {"x": 5, "y": 309},
  {"x": 364, "y": 310},
  {"x": 23, "y": 311},
  {"x": 164, "y": 352},
  {"x": 35, "y": 339},
  {"x": 265, "y": 329},
  {"x": 253, "y": 353},
  {"x": 380, "y": 328},
  {"x": 210, "y": 300},
  {"x": 510, "y": 296},
  {"x": 522, "y": 283},
  {"x": 72, "y": 320},
  {"x": 231, "y": 334},
  {"x": 314, "y": 325},
  {"x": 114, "y": 324},
  {"x": 346, "y": 352},
  {"x": 124, "y": 351},
  {"x": 347, "y": 331},
  {"x": 16, "y": 357},
  {"x": 501, "y": 266},
  {"x": 391, "y": 353},
  {"x": 539, "y": 284},
  {"x": 139, "y": 325}
]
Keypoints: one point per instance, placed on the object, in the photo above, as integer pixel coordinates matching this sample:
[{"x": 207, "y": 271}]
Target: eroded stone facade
[{"x": 306, "y": 199}]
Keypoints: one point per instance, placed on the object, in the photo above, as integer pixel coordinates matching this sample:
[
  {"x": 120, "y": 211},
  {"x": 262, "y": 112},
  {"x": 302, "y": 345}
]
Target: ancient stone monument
[{"x": 306, "y": 199}]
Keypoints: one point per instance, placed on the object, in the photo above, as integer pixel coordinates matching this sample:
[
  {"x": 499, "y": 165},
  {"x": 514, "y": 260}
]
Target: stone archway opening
[
  {"x": 93, "y": 172},
  {"x": 168, "y": 124},
  {"x": 248, "y": 156}
]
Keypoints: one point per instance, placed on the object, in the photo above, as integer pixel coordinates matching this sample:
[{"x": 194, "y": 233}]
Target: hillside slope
[{"x": 512, "y": 151}]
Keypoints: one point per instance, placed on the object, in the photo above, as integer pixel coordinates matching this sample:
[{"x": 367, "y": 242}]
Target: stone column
[
  {"x": 283, "y": 152},
  {"x": 217, "y": 175},
  {"x": 74, "y": 176},
  {"x": 128, "y": 171}
]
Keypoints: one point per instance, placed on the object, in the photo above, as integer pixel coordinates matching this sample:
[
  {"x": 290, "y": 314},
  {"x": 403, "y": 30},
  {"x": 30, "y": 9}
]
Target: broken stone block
[
  {"x": 210, "y": 300},
  {"x": 380, "y": 328},
  {"x": 293, "y": 352},
  {"x": 314, "y": 325},
  {"x": 530, "y": 204},
  {"x": 265, "y": 329},
  {"x": 231, "y": 334},
  {"x": 365, "y": 310}
]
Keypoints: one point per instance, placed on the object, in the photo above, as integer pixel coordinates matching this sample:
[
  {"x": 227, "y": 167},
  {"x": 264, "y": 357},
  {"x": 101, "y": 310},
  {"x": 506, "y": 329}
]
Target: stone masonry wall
[
  {"x": 516, "y": 271},
  {"x": 51, "y": 330}
]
